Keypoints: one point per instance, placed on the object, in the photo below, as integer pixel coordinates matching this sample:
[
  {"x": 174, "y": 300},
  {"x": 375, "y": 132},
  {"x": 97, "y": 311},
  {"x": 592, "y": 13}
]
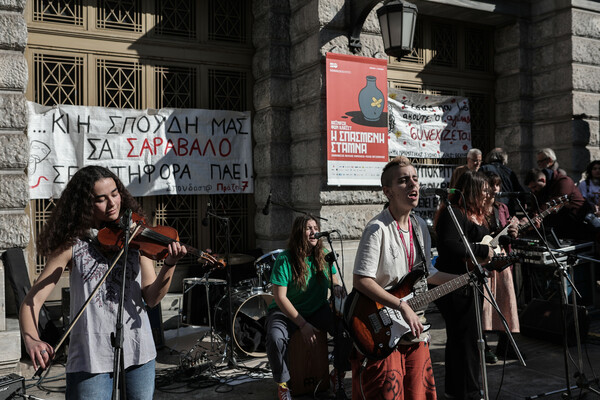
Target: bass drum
[{"x": 249, "y": 317}]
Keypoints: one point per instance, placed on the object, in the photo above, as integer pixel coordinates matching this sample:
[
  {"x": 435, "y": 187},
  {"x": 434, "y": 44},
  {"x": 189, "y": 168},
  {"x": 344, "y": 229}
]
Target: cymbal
[{"x": 238, "y": 259}]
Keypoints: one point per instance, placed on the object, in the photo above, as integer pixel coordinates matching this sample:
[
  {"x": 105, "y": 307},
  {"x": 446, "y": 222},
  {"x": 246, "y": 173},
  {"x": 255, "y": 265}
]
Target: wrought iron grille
[
  {"x": 119, "y": 84},
  {"x": 57, "y": 79},
  {"x": 235, "y": 207},
  {"x": 227, "y": 20},
  {"x": 444, "y": 41},
  {"x": 181, "y": 213},
  {"x": 175, "y": 18},
  {"x": 58, "y": 11},
  {"x": 124, "y": 15},
  {"x": 477, "y": 50},
  {"x": 43, "y": 209},
  {"x": 481, "y": 127},
  {"x": 227, "y": 90},
  {"x": 175, "y": 87}
]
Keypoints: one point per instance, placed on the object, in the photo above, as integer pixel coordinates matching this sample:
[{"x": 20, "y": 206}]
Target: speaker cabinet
[{"x": 543, "y": 319}]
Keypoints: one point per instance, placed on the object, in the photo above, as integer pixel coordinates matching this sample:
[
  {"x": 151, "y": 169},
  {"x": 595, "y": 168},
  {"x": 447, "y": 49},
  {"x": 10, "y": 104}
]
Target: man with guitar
[{"x": 394, "y": 243}]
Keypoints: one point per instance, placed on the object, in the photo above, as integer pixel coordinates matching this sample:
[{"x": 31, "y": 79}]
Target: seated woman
[{"x": 301, "y": 278}]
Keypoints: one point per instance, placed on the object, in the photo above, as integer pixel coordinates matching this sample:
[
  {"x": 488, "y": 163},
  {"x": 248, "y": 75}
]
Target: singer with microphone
[
  {"x": 93, "y": 198},
  {"x": 301, "y": 281},
  {"x": 393, "y": 243}
]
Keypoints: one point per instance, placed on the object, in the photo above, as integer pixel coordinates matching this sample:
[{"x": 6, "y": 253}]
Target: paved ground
[{"x": 184, "y": 373}]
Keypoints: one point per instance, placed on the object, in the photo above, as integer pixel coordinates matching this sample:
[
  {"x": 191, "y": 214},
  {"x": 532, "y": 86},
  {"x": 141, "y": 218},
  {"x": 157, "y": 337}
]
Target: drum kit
[{"x": 206, "y": 303}]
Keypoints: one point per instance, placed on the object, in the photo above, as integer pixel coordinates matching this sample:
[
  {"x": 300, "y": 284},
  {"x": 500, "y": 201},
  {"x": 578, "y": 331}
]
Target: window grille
[
  {"x": 444, "y": 42},
  {"x": 57, "y": 79},
  {"x": 235, "y": 207},
  {"x": 119, "y": 84},
  {"x": 122, "y": 15},
  {"x": 477, "y": 50},
  {"x": 43, "y": 209},
  {"x": 58, "y": 11},
  {"x": 175, "y": 87},
  {"x": 176, "y": 18},
  {"x": 181, "y": 213},
  {"x": 227, "y": 20},
  {"x": 482, "y": 136},
  {"x": 227, "y": 90}
]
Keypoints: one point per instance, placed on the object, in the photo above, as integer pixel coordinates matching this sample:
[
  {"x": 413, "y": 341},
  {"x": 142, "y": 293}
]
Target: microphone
[
  {"x": 319, "y": 235},
  {"x": 505, "y": 240},
  {"x": 205, "y": 219},
  {"x": 512, "y": 195},
  {"x": 426, "y": 192},
  {"x": 265, "y": 209}
]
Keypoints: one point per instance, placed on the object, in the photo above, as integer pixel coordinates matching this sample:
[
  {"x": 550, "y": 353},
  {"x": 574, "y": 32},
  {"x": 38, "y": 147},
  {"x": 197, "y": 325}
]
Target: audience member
[
  {"x": 495, "y": 162},
  {"x": 474, "y": 157},
  {"x": 590, "y": 186},
  {"x": 546, "y": 158}
]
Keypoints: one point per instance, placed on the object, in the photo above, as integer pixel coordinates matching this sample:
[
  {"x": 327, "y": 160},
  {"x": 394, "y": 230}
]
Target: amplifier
[{"x": 12, "y": 386}]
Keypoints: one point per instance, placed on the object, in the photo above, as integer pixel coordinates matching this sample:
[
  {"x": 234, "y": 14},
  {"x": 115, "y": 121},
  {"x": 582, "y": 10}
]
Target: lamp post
[{"x": 397, "y": 20}]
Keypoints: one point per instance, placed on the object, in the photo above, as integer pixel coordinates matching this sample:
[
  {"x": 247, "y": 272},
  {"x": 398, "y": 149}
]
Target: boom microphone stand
[
  {"x": 116, "y": 338},
  {"x": 562, "y": 272},
  {"x": 332, "y": 259},
  {"x": 229, "y": 354}
]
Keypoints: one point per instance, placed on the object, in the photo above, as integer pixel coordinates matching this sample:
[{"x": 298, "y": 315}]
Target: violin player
[{"x": 93, "y": 198}]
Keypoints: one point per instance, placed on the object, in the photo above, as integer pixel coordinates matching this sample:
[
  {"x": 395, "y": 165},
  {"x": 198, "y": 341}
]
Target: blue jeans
[{"x": 86, "y": 386}]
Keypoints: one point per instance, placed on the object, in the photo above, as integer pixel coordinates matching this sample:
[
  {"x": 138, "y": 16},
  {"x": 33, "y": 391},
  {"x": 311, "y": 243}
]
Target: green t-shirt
[{"x": 305, "y": 301}]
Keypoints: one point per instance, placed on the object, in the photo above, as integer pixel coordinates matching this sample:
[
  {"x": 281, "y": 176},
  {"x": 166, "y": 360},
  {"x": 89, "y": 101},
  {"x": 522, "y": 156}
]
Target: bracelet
[
  {"x": 169, "y": 265},
  {"x": 400, "y": 303}
]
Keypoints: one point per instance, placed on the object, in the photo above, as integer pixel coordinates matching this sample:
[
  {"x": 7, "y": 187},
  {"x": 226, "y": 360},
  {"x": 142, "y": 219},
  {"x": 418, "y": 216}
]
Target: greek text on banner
[{"x": 154, "y": 152}]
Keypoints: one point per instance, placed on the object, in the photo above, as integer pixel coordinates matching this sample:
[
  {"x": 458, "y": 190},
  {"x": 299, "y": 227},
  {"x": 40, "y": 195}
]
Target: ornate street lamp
[{"x": 397, "y": 20}]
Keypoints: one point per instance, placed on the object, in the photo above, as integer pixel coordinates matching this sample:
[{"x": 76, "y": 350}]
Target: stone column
[
  {"x": 291, "y": 40},
  {"x": 14, "y": 193},
  {"x": 271, "y": 125}
]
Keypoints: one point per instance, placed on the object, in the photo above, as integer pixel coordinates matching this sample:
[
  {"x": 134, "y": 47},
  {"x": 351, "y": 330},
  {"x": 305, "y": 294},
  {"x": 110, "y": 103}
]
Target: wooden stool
[{"x": 309, "y": 365}]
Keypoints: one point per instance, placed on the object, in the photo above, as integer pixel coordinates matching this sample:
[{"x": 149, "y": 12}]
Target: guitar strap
[{"x": 418, "y": 234}]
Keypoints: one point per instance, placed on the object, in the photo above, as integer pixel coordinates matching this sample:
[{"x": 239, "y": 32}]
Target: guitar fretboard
[{"x": 421, "y": 300}]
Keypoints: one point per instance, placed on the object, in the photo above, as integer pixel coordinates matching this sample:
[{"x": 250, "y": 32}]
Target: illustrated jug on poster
[{"x": 370, "y": 100}]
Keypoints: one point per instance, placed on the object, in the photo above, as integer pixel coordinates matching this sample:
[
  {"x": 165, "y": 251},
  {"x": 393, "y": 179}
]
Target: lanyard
[{"x": 410, "y": 254}]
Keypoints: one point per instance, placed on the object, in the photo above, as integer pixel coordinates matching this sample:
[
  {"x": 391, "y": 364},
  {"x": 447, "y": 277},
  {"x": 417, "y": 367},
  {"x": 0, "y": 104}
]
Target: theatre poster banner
[
  {"x": 428, "y": 126},
  {"x": 154, "y": 152},
  {"x": 357, "y": 113}
]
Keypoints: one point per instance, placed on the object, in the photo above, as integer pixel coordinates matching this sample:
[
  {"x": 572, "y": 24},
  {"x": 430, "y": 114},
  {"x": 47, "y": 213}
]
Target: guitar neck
[{"x": 421, "y": 300}]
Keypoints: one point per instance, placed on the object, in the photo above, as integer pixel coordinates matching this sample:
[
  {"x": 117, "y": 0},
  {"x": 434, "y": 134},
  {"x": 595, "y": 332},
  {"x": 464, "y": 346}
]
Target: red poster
[{"x": 357, "y": 129}]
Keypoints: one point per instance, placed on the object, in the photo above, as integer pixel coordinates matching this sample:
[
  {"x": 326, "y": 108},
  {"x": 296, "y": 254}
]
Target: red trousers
[{"x": 403, "y": 375}]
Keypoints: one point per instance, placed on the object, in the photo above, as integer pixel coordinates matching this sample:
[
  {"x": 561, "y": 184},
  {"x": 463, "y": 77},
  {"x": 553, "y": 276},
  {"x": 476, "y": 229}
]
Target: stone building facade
[{"x": 547, "y": 94}]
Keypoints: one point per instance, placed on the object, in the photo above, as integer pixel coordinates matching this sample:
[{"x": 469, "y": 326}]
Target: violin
[{"x": 151, "y": 241}]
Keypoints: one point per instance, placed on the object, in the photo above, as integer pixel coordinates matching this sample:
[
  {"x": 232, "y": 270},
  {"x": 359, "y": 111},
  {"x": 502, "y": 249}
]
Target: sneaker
[{"x": 283, "y": 392}]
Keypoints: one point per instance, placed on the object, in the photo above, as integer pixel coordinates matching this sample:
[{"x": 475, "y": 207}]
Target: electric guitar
[
  {"x": 552, "y": 206},
  {"x": 377, "y": 329}
]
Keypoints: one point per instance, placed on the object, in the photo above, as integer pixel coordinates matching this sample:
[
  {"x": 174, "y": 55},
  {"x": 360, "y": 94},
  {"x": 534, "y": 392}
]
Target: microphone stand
[
  {"x": 229, "y": 354},
  {"x": 478, "y": 275},
  {"x": 332, "y": 259},
  {"x": 563, "y": 274},
  {"x": 119, "y": 388}
]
